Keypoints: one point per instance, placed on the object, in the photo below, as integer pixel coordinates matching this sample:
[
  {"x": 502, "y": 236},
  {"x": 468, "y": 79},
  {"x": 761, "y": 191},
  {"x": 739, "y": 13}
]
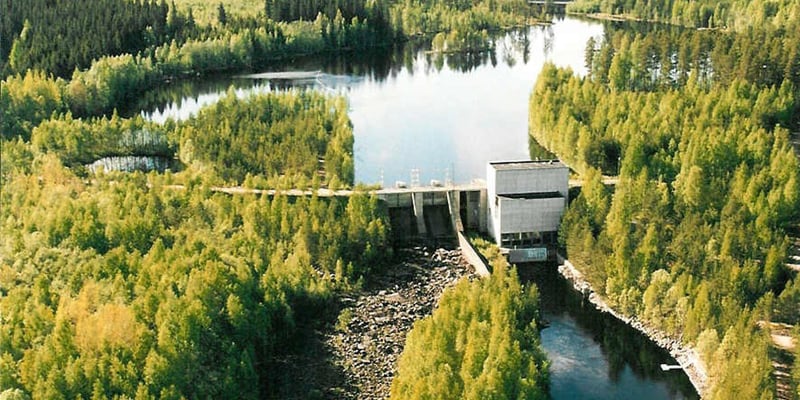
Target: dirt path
[{"x": 782, "y": 354}]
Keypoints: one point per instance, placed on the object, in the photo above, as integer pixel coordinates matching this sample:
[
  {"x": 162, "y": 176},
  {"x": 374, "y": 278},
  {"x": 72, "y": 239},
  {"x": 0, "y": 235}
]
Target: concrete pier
[{"x": 419, "y": 212}]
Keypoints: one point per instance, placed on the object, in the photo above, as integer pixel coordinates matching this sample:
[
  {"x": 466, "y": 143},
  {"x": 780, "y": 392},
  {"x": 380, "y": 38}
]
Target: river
[
  {"x": 419, "y": 116},
  {"x": 595, "y": 356}
]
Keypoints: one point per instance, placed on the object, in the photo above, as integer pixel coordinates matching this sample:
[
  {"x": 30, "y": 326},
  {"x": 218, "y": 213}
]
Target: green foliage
[
  {"x": 109, "y": 83},
  {"x": 457, "y": 26},
  {"x": 205, "y": 12},
  {"x": 26, "y": 101},
  {"x": 344, "y": 319},
  {"x": 222, "y": 15},
  {"x": 481, "y": 342},
  {"x": 113, "y": 82},
  {"x": 295, "y": 134},
  {"x": 291, "y": 139},
  {"x": 17, "y": 157},
  {"x": 668, "y": 58},
  {"x": 742, "y": 366},
  {"x": 59, "y": 36},
  {"x": 111, "y": 66},
  {"x": 78, "y": 141},
  {"x": 127, "y": 287},
  {"x": 736, "y": 14},
  {"x": 288, "y": 10},
  {"x": 692, "y": 240}
]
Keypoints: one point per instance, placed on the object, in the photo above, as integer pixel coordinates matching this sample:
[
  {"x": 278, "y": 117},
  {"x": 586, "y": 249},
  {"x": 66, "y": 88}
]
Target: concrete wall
[
  {"x": 525, "y": 215},
  {"x": 530, "y": 215},
  {"x": 395, "y": 200},
  {"x": 472, "y": 256},
  {"x": 535, "y": 180},
  {"x": 483, "y": 212},
  {"x": 425, "y": 212},
  {"x": 492, "y": 215},
  {"x": 540, "y": 253}
]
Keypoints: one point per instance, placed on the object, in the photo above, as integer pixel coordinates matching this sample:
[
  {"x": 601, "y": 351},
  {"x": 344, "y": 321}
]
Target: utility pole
[{"x": 414, "y": 177}]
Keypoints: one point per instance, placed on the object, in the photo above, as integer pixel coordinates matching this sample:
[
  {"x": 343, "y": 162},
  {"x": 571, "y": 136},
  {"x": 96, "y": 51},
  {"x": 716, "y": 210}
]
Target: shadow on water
[{"x": 595, "y": 356}]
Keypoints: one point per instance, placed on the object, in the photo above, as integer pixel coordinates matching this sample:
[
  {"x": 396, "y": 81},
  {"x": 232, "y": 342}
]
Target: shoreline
[
  {"x": 687, "y": 357},
  {"x": 600, "y": 16}
]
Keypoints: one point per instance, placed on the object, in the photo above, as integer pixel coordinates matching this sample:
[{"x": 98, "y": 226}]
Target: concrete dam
[{"x": 520, "y": 205}]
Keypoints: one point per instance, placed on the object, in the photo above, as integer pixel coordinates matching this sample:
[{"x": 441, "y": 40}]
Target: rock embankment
[
  {"x": 687, "y": 357},
  {"x": 372, "y": 327}
]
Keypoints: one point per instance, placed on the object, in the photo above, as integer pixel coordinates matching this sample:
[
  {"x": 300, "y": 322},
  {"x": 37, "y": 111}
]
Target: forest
[
  {"x": 58, "y": 37},
  {"x": 294, "y": 139},
  {"x": 141, "y": 286},
  {"x": 481, "y": 342},
  {"x": 693, "y": 238},
  {"x": 156, "y": 285},
  {"x": 107, "y": 62},
  {"x": 301, "y": 137},
  {"x": 739, "y": 15}
]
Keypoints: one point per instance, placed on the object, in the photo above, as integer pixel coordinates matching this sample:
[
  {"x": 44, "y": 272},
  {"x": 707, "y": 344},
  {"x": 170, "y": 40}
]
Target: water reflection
[
  {"x": 131, "y": 164},
  {"x": 446, "y": 115},
  {"x": 593, "y": 355}
]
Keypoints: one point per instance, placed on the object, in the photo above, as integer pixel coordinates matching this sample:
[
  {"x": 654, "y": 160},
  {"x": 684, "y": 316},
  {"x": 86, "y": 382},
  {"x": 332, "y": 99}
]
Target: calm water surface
[
  {"x": 447, "y": 116},
  {"x": 443, "y": 115},
  {"x": 595, "y": 356}
]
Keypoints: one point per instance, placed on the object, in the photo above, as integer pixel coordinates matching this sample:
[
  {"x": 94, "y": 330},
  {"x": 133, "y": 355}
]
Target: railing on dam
[
  {"x": 410, "y": 204},
  {"x": 381, "y": 193}
]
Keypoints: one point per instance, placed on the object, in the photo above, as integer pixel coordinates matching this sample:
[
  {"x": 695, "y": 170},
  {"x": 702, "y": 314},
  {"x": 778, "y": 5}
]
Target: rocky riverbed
[
  {"x": 371, "y": 331},
  {"x": 687, "y": 357}
]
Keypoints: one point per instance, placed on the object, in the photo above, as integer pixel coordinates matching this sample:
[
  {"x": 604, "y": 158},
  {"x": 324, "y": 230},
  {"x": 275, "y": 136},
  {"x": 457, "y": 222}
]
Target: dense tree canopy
[
  {"x": 26, "y": 101},
  {"x": 457, "y": 25},
  {"x": 131, "y": 47},
  {"x": 287, "y": 10},
  {"x": 294, "y": 133},
  {"x": 77, "y": 141},
  {"x": 692, "y": 239},
  {"x": 661, "y": 58},
  {"x": 296, "y": 138},
  {"x": 58, "y": 36},
  {"x": 737, "y": 14},
  {"x": 128, "y": 286},
  {"x": 482, "y": 342}
]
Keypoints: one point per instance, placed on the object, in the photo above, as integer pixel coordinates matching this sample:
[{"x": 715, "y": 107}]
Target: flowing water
[{"x": 595, "y": 356}]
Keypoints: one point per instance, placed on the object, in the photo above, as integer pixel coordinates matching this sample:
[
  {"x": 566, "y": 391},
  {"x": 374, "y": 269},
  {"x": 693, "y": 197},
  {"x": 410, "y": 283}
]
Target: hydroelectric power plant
[{"x": 520, "y": 205}]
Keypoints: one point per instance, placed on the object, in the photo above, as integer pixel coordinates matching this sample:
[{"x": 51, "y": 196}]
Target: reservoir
[
  {"x": 444, "y": 116},
  {"x": 421, "y": 116}
]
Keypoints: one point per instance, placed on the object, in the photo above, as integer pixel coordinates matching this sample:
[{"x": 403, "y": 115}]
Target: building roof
[{"x": 520, "y": 165}]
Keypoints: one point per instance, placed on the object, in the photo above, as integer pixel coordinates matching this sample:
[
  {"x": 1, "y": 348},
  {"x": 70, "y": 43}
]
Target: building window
[{"x": 526, "y": 240}]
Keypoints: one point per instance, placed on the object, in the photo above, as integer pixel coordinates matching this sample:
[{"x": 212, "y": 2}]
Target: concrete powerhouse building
[{"x": 526, "y": 202}]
